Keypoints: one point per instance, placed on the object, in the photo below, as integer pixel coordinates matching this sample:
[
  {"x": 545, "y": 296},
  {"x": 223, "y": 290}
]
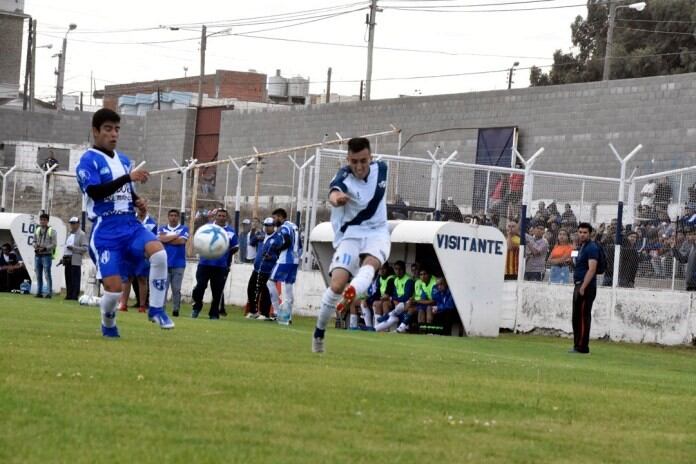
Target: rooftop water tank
[
  {"x": 298, "y": 86},
  {"x": 277, "y": 85}
]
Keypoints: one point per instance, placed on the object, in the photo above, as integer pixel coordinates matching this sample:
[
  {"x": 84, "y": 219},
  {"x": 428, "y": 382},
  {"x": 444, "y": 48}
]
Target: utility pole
[
  {"x": 32, "y": 78},
  {"x": 328, "y": 86},
  {"x": 28, "y": 68},
  {"x": 200, "y": 78},
  {"x": 510, "y": 72},
  {"x": 61, "y": 76},
  {"x": 362, "y": 86},
  {"x": 61, "y": 69},
  {"x": 606, "y": 75},
  {"x": 370, "y": 45}
]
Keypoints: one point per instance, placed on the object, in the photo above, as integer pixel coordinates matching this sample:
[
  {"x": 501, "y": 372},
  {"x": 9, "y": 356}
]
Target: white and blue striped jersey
[
  {"x": 365, "y": 214},
  {"x": 149, "y": 223},
  {"x": 96, "y": 168},
  {"x": 290, "y": 255}
]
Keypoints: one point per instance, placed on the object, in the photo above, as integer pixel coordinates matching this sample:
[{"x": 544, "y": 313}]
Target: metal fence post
[
  {"x": 675, "y": 263},
  {"x": 44, "y": 185},
  {"x": 4, "y": 176},
  {"x": 184, "y": 180},
  {"x": 527, "y": 190},
  {"x": 619, "y": 229},
  {"x": 300, "y": 188}
]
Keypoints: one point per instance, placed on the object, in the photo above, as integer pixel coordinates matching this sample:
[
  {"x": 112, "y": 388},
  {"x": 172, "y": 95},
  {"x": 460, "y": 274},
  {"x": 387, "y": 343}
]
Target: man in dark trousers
[
  {"x": 258, "y": 298},
  {"x": 585, "y": 289},
  {"x": 75, "y": 248}
]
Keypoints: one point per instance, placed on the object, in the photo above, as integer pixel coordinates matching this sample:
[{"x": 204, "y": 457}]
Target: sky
[{"x": 468, "y": 47}]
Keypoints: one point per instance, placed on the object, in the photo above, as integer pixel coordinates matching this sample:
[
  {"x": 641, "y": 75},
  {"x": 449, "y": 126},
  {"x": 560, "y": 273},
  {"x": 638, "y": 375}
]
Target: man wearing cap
[
  {"x": 75, "y": 248},
  {"x": 255, "y": 239},
  {"x": 258, "y": 298}
]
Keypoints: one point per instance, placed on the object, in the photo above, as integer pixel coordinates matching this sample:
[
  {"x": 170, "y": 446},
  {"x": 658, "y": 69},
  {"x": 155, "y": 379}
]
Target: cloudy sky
[{"x": 443, "y": 46}]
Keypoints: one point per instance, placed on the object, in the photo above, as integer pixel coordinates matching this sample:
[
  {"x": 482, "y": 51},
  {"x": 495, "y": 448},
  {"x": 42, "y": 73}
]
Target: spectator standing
[
  {"x": 536, "y": 250},
  {"x": 286, "y": 242},
  {"x": 174, "y": 236},
  {"x": 512, "y": 230},
  {"x": 214, "y": 271},
  {"x": 630, "y": 259},
  {"x": 45, "y": 241},
  {"x": 258, "y": 298},
  {"x": 450, "y": 211},
  {"x": 647, "y": 194},
  {"x": 255, "y": 239},
  {"x": 585, "y": 291},
  {"x": 50, "y": 161},
  {"x": 568, "y": 219},
  {"x": 663, "y": 194},
  {"x": 687, "y": 255},
  {"x": 75, "y": 248},
  {"x": 140, "y": 268},
  {"x": 560, "y": 259}
]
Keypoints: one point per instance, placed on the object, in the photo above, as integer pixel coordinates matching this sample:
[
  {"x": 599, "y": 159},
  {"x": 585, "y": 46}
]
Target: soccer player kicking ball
[
  {"x": 106, "y": 179},
  {"x": 361, "y": 233}
]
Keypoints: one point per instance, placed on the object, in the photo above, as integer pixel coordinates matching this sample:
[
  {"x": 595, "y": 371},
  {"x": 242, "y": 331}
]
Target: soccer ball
[
  {"x": 211, "y": 241},
  {"x": 88, "y": 300}
]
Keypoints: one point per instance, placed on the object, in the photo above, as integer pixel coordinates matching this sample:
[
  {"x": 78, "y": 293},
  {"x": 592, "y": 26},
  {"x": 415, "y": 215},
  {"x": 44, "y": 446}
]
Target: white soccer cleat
[
  {"x": 317, "y": 345},
  {"x": 402, "y": 328}
]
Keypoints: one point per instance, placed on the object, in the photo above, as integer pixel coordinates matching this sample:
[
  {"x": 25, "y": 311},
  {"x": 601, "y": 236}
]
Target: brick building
[{"x": 245, "y": 86}]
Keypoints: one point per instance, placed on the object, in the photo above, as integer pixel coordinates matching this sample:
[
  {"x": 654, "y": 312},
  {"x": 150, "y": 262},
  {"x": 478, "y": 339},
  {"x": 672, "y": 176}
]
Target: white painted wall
[{"x": 641, "y": 316}]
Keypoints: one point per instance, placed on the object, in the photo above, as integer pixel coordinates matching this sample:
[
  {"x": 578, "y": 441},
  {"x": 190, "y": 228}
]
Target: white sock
[
  {"x": 353, "y": 321},
  {"x": 386, "y": 325},
  {"x": 328, "y": 307},
  {"x": 367, "y": 315},
  {"x": 398, "y": 310},
  {"x": 158, "y": 279},
  {"x": 273, "y": 291},
  {"x": 288, "y": 296},
  {"x": 362, "y": 280},
  {"x": 107, "y": 305}
]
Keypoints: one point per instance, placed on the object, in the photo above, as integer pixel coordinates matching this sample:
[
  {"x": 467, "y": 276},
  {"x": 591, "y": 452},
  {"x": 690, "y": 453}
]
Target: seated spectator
[
  {"x": 450, "y": 211},
  {"x": 402, "y": 292},
  {"x": 385, "y": 287},
  {"x": 50, "y": 162},
  {"x": 560, "y": 259},
  {"x": 399, "y": 209},
  {"x": 11, "y": 275}
]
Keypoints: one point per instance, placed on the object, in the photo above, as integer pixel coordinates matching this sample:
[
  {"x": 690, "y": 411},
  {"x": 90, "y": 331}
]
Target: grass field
[{"x": 247, "y": 391}]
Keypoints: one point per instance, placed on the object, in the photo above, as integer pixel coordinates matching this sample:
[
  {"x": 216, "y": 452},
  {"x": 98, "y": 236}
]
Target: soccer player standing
[
  {"x": 106, "y": 179},
  {"x": 361, "y": 233},
  {"x": 285, "y": 242}
]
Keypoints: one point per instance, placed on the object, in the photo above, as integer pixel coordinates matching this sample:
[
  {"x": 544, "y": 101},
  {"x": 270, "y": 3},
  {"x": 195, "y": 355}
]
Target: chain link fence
[{"x": 657, "y": 234}]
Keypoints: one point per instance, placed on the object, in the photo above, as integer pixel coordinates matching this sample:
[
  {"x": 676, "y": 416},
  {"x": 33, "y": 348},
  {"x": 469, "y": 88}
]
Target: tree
[{"x": 656, "y": 41}]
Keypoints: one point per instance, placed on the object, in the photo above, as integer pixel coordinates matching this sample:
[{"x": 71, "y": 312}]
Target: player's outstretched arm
[{"x": 338, "y": 198}]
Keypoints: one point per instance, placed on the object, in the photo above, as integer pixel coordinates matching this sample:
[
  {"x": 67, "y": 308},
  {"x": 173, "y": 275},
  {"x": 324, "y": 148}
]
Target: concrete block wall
[
  {"x": 574, "y": 123},
  {"x": 11, "y": 53},
  {"x": 66, "y": 127},
  {"x": 168, "y": 135}
]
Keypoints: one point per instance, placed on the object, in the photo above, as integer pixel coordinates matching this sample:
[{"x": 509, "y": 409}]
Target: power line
[
  {"x": 435, "y": 10},
  {"x": 692, "y": 34},
  {"x": 521, "y": 2},
  {"x": 654, "y": 21}
]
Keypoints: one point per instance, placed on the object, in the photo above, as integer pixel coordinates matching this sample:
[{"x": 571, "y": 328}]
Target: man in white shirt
[
  {"x": 361, "y": 233},
  {"x": 75, "y": 248},
  {"x": 647, "y": 193}
]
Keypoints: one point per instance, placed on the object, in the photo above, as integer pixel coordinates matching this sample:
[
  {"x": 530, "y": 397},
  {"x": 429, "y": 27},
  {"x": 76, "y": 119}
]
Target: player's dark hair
[
  {"x": 44, "y": 216},
  {"x": 280, "y": 212},
  {"x": 173, "y": 211},
  {"x": 357, "y": 144},
  {"x": 221, "y": 210},
  {"x": 586, "y": 225},
  {"x": 104, "y": 115},
  {"x": 401, "y": 264}
]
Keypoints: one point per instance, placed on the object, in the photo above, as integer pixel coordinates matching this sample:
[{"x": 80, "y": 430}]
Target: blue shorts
[
  {"x": 284, "y": 273},
  {"x": 422, "y": 307},
  {"x": 135, "y": 268},
  {"x": 118, "y": 245}
]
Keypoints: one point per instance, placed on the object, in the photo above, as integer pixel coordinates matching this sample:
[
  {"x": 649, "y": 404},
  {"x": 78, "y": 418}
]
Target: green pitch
[{"x": 247, "y": 391}]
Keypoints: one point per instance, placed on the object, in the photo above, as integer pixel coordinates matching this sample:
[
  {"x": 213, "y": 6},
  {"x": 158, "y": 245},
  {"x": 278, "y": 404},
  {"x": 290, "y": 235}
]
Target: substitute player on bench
[{"x": 361, "y": 233}]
